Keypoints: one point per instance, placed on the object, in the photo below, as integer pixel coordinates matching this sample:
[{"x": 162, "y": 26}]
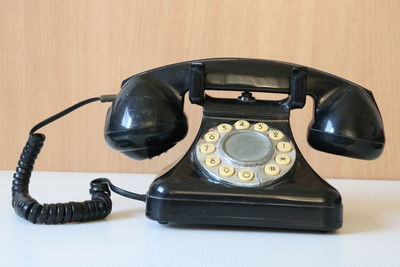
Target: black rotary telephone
[{"x": 244, "y": 167}]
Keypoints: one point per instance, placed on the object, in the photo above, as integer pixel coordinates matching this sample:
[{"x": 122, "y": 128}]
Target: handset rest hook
[{"x": 297, "y": 86}]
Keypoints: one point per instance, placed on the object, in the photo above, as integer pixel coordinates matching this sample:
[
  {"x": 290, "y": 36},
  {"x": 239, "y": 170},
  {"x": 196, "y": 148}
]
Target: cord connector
[{"x": 107, "y": 98}]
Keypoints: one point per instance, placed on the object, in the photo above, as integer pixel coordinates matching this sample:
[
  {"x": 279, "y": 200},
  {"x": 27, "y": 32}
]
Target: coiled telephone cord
[{"x": 28, "y": 208}]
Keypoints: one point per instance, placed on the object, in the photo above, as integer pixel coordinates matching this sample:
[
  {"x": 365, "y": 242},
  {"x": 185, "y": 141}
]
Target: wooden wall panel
[{"x": 55, "y": 53}]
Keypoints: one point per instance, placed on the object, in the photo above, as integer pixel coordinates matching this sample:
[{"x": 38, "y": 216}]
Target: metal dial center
[{"x": 247, "y": 147}]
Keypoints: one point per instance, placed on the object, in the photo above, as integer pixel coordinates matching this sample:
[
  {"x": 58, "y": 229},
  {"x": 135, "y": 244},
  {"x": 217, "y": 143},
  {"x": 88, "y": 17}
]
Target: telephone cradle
[{"x": 244, "y": 167}]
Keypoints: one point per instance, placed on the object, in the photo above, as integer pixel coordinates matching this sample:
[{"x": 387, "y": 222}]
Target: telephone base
[
  {"x": 318, "y": 219},
  {"x": 318, "y": 210}
]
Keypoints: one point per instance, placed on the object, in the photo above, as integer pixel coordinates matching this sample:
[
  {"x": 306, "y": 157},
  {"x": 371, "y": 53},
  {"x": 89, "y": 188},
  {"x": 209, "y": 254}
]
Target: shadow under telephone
[{"x": 244, "y": 167}]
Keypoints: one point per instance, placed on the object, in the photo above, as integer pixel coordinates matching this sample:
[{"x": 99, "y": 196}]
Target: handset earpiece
[
  {"x": 347, "y": 122},
  {"x": 146, "y": 119}
]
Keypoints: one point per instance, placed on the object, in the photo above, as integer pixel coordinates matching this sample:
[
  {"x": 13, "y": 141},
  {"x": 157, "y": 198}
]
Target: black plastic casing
[
  {"x": 147, "y": 119},
  {"x": 300, "y": 200}
]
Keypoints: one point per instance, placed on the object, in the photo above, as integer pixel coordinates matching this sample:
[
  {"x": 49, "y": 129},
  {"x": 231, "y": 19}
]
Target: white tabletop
[{"x": 370, "y": 235}]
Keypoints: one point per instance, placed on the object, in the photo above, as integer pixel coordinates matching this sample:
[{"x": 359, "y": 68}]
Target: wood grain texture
[{"x": 55, "y": 53}]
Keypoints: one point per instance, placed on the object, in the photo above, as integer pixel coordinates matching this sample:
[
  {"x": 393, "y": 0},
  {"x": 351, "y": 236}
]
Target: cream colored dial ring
[{"x": 245, "y": 153}]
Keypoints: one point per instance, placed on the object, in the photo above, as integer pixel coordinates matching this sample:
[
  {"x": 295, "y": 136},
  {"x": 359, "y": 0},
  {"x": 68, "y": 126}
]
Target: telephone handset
[{"x": 244, "y": 167}]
